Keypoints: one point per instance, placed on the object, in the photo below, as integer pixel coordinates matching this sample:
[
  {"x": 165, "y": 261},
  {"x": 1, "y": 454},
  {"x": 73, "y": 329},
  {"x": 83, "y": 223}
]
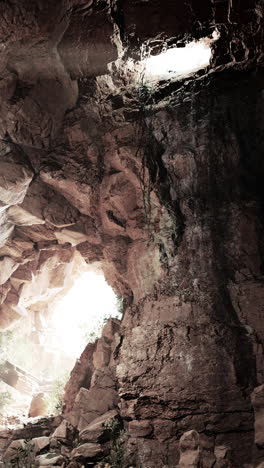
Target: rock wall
[{"x": 162, "y": 187}]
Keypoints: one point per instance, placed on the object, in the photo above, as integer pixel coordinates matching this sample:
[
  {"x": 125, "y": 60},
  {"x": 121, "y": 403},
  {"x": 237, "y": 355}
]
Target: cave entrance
[
  {"x": 177, "y": 62},
  {"x": 39, "y": 352}
]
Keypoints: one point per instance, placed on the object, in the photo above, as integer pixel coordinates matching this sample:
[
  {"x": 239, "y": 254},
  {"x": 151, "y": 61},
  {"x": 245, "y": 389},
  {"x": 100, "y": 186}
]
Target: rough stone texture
[
  {"x": 64, "y": 432},
  {"x": 97, "y": 431},
  {"x": 89, "y": 450},
  {"x": 18, "y": 378},
  {"x": 48, "y": 459},
  {"x": 38, "y": 406},
  {"x": 164, "y": 191},
  {"x": 81, "y": 376}
]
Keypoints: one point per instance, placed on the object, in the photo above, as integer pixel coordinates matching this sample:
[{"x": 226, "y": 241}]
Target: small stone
[
  {"x": 189, "y": 440},
  {"x": 50, "y": 459}
]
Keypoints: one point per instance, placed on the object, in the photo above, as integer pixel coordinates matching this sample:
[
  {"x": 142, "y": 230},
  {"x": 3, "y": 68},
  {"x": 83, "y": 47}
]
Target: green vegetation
[
  {"x": 119, "y": 306},
  {"x": 144, "y": 137},
  {"x": 91, "y": 336},
  {"x": 23, "y": 457},
  {"x": 16, "y": 347},
  {"x": 5, "y": 398},
  {"x": 118, "y": 437},
  {"x": 55, "y": 398}
]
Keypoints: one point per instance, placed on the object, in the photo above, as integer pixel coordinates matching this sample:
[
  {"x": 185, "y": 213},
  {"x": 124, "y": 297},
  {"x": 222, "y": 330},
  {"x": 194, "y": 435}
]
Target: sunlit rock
[
  {"x": 14, "y": 182},
  {"x": 159, "y": 184}
]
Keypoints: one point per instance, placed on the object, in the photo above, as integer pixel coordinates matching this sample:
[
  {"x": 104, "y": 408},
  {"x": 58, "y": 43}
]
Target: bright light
[
  {"x": 178, "y": 61},
  {"x": 82, "y": 312}
]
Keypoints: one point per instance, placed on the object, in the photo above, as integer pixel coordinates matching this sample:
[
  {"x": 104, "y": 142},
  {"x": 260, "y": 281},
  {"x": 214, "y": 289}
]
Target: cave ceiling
[{"x": 71, "y": 173}]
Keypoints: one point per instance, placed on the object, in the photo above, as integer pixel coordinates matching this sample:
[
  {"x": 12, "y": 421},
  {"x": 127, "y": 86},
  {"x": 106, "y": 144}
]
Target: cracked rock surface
[{"x": 165, "y": 191}]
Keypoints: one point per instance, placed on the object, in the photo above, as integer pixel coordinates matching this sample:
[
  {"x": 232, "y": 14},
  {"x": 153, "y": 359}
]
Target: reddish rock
[
  {"x": 90, "y": 404},
  {"x": 87, "y": 451},
  {"x": 80, "y": 376},
  {"x": 38, "y": 406},
  {"x": 99, "y": 429},
  {"x": 140, "y": 428},
  {"x": 257, "y": 399},
  {"x": 163, "y": 187}
]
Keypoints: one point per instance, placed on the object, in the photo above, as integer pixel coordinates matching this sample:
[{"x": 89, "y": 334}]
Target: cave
[{"x": 153, "y": 175}]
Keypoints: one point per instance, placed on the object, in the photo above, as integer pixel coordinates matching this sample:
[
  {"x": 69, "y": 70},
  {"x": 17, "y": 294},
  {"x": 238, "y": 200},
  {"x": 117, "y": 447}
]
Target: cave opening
[
  {"x": 177, "y": 62},
  {"x": 39, "y": 351}
]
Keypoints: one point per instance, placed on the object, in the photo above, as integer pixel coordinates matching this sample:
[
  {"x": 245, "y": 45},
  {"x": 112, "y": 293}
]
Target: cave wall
[
  {"x": 192, "y": 352},
  {"x": 166, "y": 195}
]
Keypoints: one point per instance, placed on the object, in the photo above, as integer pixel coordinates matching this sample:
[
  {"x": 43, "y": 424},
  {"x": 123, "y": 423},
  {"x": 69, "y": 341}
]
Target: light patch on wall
[
  {"x": 81, "y": 313},
  {"x": 179, "y": 61}
]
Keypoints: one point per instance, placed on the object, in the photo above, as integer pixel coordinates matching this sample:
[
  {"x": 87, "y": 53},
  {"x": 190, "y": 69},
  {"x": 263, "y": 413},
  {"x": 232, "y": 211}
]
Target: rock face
[
  {"x": 163, "y": 187},
  {"x": 94, "y": 377}
]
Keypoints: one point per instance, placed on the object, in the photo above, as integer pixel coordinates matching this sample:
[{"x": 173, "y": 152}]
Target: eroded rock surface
[{"x": 163, "y": 187}]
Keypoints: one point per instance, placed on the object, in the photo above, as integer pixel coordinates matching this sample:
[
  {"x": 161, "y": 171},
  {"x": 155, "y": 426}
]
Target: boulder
[
  {"x": 222, "y": 454},
  {"x": 13, "y": 449},
  {"x": 87, "y": 451},
  {"x": 38, "y": 406},
  {"x": 97, "y": 431},
  {"x": 64, "y": 432},
  {"x": 190, "y": 456},
  {"x": 40, "y": 443},
  {"x": 50, "y": 459},
  {"x": 90, "y": 404}
]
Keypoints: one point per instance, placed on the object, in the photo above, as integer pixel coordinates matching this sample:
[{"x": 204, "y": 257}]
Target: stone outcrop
[
  {"x": 163, "y": 188},
  {"x": 18, "y": 378},
  {"x": 94, "y": 378}
]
